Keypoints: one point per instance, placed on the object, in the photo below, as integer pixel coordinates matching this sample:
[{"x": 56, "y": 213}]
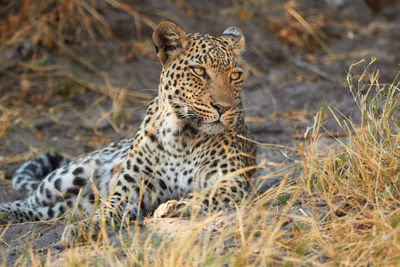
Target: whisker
[{"x": 179, "y": 102}]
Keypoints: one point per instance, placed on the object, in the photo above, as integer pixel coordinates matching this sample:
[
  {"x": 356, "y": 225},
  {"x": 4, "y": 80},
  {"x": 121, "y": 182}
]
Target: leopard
[{"x": 192, "y": 151}]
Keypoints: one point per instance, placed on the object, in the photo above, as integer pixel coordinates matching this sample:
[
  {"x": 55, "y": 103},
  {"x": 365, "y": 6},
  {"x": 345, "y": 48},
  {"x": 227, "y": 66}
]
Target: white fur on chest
[
  {"x": 178, "y": 163},
  {"x": 179, "y": 177}
]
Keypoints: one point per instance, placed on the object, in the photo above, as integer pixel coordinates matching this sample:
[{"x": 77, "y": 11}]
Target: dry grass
[
  {"x": 30, "y": 83},
  {"x": 52, "y": 23}
]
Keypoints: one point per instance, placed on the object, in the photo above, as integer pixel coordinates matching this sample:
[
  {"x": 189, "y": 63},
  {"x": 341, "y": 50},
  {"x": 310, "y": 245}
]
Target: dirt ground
[{"x": 292, "y": 71}]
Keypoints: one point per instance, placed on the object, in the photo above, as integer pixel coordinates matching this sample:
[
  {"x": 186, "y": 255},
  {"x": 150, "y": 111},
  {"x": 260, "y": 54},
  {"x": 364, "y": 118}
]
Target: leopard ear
[
  {"x": 236, "y": 38},
  {"x": 169, "y": 41}
]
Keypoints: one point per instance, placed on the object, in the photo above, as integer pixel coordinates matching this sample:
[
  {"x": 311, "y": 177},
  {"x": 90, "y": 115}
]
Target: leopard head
[{"x": 201, "y": 76}]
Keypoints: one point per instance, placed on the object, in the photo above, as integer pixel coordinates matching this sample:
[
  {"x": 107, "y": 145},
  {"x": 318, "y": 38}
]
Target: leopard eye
[
  {"x": 199, "y": 71},
  {"x": 236, "y": 75}
]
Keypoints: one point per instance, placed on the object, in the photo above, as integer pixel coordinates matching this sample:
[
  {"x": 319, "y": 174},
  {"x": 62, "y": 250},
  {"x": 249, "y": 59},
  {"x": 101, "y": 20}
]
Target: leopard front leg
[
  {"x": 118, "y": 211},
  {"x": 81, "y": 231}
]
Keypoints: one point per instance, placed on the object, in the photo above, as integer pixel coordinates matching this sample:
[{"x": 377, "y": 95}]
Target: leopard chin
[{"x": 212, "y": 128}]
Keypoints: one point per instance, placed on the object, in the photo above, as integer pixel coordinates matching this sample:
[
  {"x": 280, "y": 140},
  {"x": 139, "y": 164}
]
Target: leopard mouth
[
  {"x": 218, "y": 122},
  {"x": 217, "y": 125}
]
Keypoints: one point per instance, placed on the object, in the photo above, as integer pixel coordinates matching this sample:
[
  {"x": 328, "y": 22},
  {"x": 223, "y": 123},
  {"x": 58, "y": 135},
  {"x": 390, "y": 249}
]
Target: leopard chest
[
  {"x": 174, "y": 165},
  {"x": 174, "y": 155},
  {"x": 176, "y": 174}
]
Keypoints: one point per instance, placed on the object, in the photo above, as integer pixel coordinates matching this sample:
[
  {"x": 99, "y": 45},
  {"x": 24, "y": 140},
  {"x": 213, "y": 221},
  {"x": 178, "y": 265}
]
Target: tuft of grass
[{"x": 359, "y": 181}]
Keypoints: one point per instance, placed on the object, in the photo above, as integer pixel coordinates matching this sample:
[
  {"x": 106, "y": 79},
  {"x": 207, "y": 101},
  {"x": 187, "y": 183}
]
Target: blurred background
[{"x": 75, "y": 74}]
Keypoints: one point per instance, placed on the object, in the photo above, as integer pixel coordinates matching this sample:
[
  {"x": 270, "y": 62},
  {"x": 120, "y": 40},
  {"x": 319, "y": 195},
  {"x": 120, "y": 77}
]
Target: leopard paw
[
  {"x": 170, "y": 208},
  {"x": 80, "y": 232}
]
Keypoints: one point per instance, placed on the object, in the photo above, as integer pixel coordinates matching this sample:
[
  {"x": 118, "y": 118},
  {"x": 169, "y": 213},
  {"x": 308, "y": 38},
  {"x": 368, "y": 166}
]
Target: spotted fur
[{"x": 192, "y": 140}]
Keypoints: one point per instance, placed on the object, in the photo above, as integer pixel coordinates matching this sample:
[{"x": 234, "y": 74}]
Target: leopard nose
[{"x": 220, "y": 108}]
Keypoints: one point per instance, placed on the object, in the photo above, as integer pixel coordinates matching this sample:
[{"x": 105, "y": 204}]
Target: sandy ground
[{"x": 286, "y": 85}]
